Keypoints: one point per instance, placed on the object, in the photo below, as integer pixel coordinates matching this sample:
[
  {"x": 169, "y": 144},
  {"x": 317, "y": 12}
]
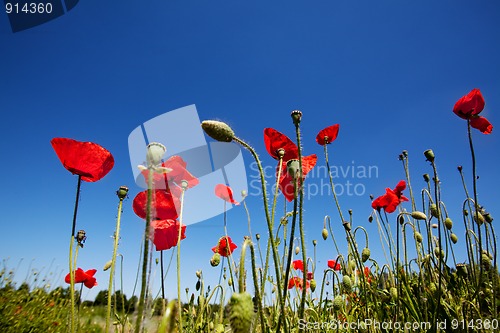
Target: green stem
[
  {"x": 331, "y": 183},
  {"x": 179, "y": 304},
  {"x": 71, "y": 267}
]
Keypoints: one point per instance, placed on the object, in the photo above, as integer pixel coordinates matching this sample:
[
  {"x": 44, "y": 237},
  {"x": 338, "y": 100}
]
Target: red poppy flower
[
  {"x": 225, "y": 246},
  {"x": 165, "y": 233},
  {"x": 286, "y": 182},
  {"x": 275, "y": 141},
  {"x": 164, "y": 205},
  {"x": 298, "y": 264},
  {"x": 469, "y": 107},
  {"x": 310, "y": 276},
  {"x": 333, "y": 264},
  {"x": 368, "y": 274},
  {"x": 391, "y": 199},
  {"x": 225, "y": 193},
  {"x": 86, "y": 159},
  {"x": 297, "y": 283},
  {"x": 87, "y": 278},
  {"x": 173, "y": 178},
  {"x": 327, "y": 135}
]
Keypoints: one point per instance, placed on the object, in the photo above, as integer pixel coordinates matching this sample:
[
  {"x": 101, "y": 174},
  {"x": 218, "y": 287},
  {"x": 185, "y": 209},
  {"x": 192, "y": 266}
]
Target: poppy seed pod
[
  {"x": 315, "y": 242},
  {"x": 337, "y": 303},
  {"x": 418, "y": 215},
  {"x": 296, "y": 116},
  {"x": 154, "y": 154},
  {"x": 365, "y": 254},
  {"x": 429, "y": 155},
  {"x": 215, "y": 261},
  {"x": 347, "y": 225},
  {"x": 293, "y": 167},
  {"x": 427, "y": 178},
  {"x": 448, "y": 223},
  {"x": 241, "y": 315},
  {"x": 462, "y": 270},
  {"x": 122, "y": 192},
  {"x": 324, "y": 233},
  {"x": 218, "y": 130},
  {"x": 454, "y": 238}
]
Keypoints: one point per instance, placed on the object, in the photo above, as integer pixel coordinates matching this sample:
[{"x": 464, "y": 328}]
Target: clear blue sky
[{"x": 388, "y": 71}]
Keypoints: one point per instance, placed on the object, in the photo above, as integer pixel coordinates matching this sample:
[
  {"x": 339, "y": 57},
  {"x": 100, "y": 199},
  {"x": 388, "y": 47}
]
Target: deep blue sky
[{"x": 388, "y": 71}]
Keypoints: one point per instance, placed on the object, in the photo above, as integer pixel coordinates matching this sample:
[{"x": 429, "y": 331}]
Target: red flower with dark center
[
  {"x": 310, "y": 276},
  {"x": 225, "y": 246},
  {"x": 173, "y": 178},
  {"x": 275, "y": 141},
  {"x": 164, "y": 205},
  {"x": 469, "y": 107},
  {"x": 86, "y": 159},
  {"x": 165, "y": 233},
  {"x": 298, "y": 264},
  {"x": 225, "y": 193},
  {"x": 327, "y": 135},
  {"x": 87, "y": 277},
  {"x": 333, "y": 264},
  {"x": 297, "y": 283},
  {"x": 286, "y": 182},
  {"x": 391, "y": 199}
]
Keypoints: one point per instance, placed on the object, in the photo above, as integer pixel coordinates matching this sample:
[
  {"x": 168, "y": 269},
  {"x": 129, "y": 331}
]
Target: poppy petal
[
  {"x": 165, "y": 233},
  {"x": 327, "y": 135},
  {"x": 275, "y": 140},
  {"x": 298, "y": 264},
  {"x": 225, "y": 193},
  {"x": 87, "y": 159},
  {"x": 481, "y": 124},
  {"x": 469, "y": 105},
  {"x": 164, "y": 205},
  {"x": 224, "y": 248}
]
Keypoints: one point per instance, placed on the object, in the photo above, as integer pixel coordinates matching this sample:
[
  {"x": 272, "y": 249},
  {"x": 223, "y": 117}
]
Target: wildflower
[
  {"x": 286, "y": 182},
  {"x": 87, "y": 277},
  {"x": 324, "y": 233},
  {"x": 365, "y": 254},
  {"x": 165, "y": 233},
  {"x": 165, "y": 205},
  {"x": 86, "y": 159},
  {"x": 327, "y": 135},
  {"x": 278, "y": 144},
  {"x": 333, "y": 264},
  {"x": 391, "y": 199},
  {"x": 173, "y": 179},
  {"x": 367, "y": 273},
  {"x": 469, "y": 107},
  {"x": 297, "y": 283},
  {"x": 225, "y": 193},
  {"x": 298, "y": 264},
  {"x": 225, "y": 246},
  {"x": 310, "y": 276}
]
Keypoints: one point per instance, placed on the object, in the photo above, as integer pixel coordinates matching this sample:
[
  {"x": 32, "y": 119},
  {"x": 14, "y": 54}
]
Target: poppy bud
[
  {"x": 80, "y": 237},
  {"x": 459, "y": 168},
  {"x": 448, "y": 223},
  {"x": 429, "y": 155},
  {"x": 215, "y": 261},
  {"x": 297, "y": 250},
  {"x": 154, "y": 154},
  {"x": 122, "y": 192},
  {"x": 427, "y": 178},
  {"x": 454, "y": 238},
  {"x": 198, "y": 274},
  {"x": 347, "y": 225},
  {"x": 198, "y": 285},
  {"x": 257, "y": 236},
  {"x": 324, "y": 233},
  {"x": 438, "y": 253},
  {"x": 434, "y": 226},
  {"x": 370, "y": 219},
  {"x": 296, "y": 116},
  {"x": 338, "y": 302},
  {"x": 405, "y": 153},
  {"x": 218, "y": 130},
  {"x": 292, "y": 167},
  {"x": 394, "y": 293},
  {"x": 365, "y": 254},
  {"x": 230, "y": 282},
  {"x": 462, "y": 270},
  {"x": 315, "y": 242},
  {"x": 478, "y": 217},
  {"x": 346, "y": 282},
  {"x": 241, "y": 314},
  {"x": 418, "y": 237},
  {"x": 485, "y": 261},
  {"x": 312, "y": 284},
  {"x": 157, "y": 261},
  {"x": 434, "y": 210},
  {"x": 418, "y": 215},
  {"x": 107, "y": 265},
  {"x": 488, "y": 218}
]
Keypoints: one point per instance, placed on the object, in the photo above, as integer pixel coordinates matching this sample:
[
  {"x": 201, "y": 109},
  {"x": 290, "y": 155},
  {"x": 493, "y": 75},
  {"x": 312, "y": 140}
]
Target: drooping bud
[
  {"x": 394, "y": 293},
  {"x": 241, "y": 315},
  {"x": 347, "y": 283},
  {"x": 462, "y": 270},
  {"x": 448, "y": 223},
  {"x": 297, "y": 250},
  {"x": 80, "y": 237},
  {"x": 312, "y": 284},
  {"x": 485, "y": 261},
  {"x": 257, "y": 236},
  {"x": 218, "y": 130},
  {"x": 122, "y": 192},
  {"x": 418, "y": 237},
  {"x": 478, "y": 217},
  {"x": 338, "y": 301},
  {"x": 154, "y": 154},
  {"x": 427, "y": 178},
  {"x": 418, "y": 215},
  {"x": 315, "y": 242},
  {"x": 454, "y": 238},
  {"x": 296, "y": 116},
  {"x": 370, "y": 219},
  {"x": 324, "y": 233},
  {"x": 434, "y": 210},
  {"x": 365, "y": 254},
  {"x": 107, "y": 265},
  {"x": 488, "y": 218},
  {"x": 438, "y": 252},
  {"x": 215, "y": 261},
  {"x": 429, "y": 155},
  {"x": 347, "y": 225},
  {"x": 198, "y": 274}
]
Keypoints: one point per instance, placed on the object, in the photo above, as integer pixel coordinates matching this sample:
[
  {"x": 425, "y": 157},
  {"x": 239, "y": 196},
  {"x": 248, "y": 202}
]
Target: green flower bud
[
  {"x": 218, "y": 130},
  {"x": 107, "y": 265},
  {"x": 448, "y": 223},
  {"x": 315, "y": 242},
  {"x": 365, "y": 254},
  {"x": 198, "y": 285},
  {"x": 454, "y": 238},
  {"x": 338, "y": 301},
  {"x": 478, "y": 217},
  {"x": 485, "y": 261},
  {"x": 418, "y": 237},
  {"x": 462, "y": 270},
  {"x": 241, "y": 314},
  {"x": 438, "y": 252},
  {"x": 488, "y": 218},
  {"x": 429, "y": 155},
  {"x": 418, "y": 215},
  {"x": 215, "y": 261},
  {"x": 394, "y": 293},
  {"x": 427, "y": 178},
  {"x": 347, "y": 283},
  {"x": 312, "y": 284},
  {"x": 324, "y": 233},
  {"x": 434, "y": 210},
  {"x": 297, "y": 250}
]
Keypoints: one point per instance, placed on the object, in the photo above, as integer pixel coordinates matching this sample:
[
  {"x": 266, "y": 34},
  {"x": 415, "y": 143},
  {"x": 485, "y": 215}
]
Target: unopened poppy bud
[
  {"x": 418, "y": 237},
  {"x": 198, "y": 285},
  {"x": 365, "y": 254},
  {"x": 347, "y": 283},
  {"x": 434, "y": 210},
  {"x": 230, "y": 282},
  {"x": 338, "y": 301},
  {"x": 459, "y": 168},
  {"x": 157, "y": 261},
  {"x": 154, "y": 154},
  {"x": 466, "y": 212},
  {"x": 296, "y": 116},
  {"x": 448, "y": 223},
  {"x": 434, "y": 226},
  {"x": 438, "y": 252},
  {"x": 370, "y": 219},
  {"x": 429, "y": 155},
  {"x": 241, "y": 314},
  {"x": 215, "y": 261},
  {"x": 478, "y": 217},
  {"x": 347, "y": 225},
  {"x": 198, "y": 274},
  {"x": 122, "y": 192},
  {"x": 218, "y": 130},
  {"x": 394, "y": 293},
  {"x": 312, "y": 284},
  {"x": 292, "y": 167},
  {"x": 244, "y": 194},
  {"x": 454, "y": 238},
  {"x": 107, "y": 265},
  {"x": 297, "y": 250},
  {"x": 80, "y": 237},
  {"x": 257, "y": 236},
  {"x": 427, "y": 178},
  {"x": 485, "y": 261},
  {"x": 488, "y": 218},
  {"x": 315, "y": 242},
  {"x": 418, "y": 215},
  {"x": 324, "y": 233},
  {"x": 462, "y": 270}
]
